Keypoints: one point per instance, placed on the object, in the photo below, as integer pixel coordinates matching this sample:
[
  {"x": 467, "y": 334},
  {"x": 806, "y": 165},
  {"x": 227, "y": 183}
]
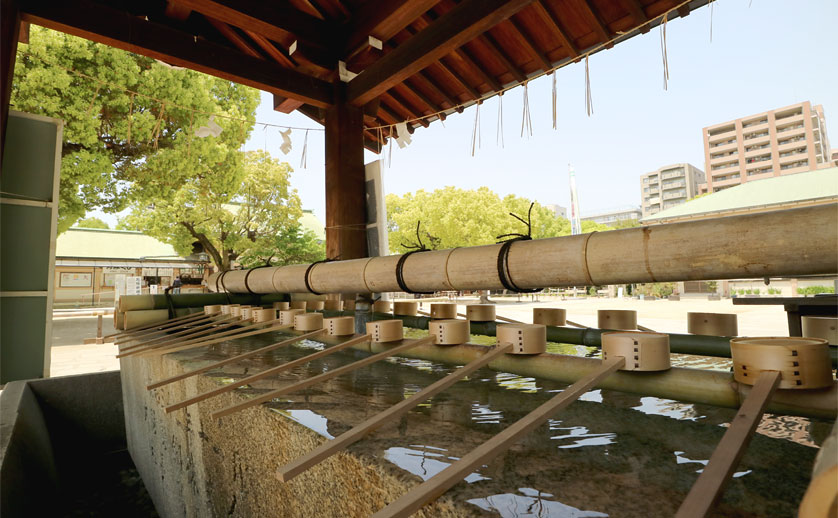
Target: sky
[{"x": 764, "y": 54}]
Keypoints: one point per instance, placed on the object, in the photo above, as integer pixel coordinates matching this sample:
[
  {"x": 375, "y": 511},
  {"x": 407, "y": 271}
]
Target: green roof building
[{"x": 781, "y": 192}]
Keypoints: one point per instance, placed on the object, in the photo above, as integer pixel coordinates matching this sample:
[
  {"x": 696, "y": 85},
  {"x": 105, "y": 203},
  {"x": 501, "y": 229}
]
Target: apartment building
[
  {"x": 669, "y": 186},
  {"x": 558, "y": 210},
  {"x": 777, "y": 142}
]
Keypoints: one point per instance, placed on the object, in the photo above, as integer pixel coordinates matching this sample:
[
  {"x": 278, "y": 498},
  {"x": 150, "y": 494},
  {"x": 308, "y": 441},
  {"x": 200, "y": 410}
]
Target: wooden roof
[{"x": 415, "y": 59}]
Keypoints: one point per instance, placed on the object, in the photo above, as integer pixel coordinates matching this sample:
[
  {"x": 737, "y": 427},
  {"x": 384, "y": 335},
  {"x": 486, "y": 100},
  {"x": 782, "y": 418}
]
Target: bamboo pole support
[
  {"x": 321, "y": 377},
  {"x": 149, "y": 326},
  {"x": 711, "y": 483},
  {"x": 173, "y": 348},
  {"x": 329, "y": 448},
  {"x": 434, "y": 487},
  {"x": 161, "y": 329},
  {"x": 269, "y": 372},
  {"x": 181, "y": 336},
  {"x": 232, "y": 359},
  {"x": 192, "y": 332}
]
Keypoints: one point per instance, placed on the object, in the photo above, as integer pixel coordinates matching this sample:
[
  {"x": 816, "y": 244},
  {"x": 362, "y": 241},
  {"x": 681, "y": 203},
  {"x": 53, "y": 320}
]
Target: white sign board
[
  {"x": 128, "y": 270},
  {"x": 149, "y": 272},
  {"x": 133, "y": 285},
  {"x": 165, "y": 272}
]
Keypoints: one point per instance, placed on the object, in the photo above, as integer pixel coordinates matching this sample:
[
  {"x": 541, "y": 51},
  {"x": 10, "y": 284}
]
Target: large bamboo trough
[{"x": 749, "y": 246}]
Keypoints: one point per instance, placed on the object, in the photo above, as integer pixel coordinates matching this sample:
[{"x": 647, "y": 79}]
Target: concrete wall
[{"x": 50, "y": 429}]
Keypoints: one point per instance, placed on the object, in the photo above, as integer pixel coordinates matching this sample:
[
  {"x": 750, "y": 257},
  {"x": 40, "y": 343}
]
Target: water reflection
[
  {"x": 531, "y": 503},
  {"x": 608, "y": 443}
]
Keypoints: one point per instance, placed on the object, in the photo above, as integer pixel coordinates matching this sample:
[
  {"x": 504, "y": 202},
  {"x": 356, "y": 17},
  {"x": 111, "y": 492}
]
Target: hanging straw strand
[
  {"x": 526, "y": 119},
  {"x": 304, "y": 157},
  {"x": 475, "y": 130},
  {"x": 664, "y": 56},
  {"x": 499, "y": 136},
  {"x": 555, "y": 118},
  {"x": 589, "y": 102}
]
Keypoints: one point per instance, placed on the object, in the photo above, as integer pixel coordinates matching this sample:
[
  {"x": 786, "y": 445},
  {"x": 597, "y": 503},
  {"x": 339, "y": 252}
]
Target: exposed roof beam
[
  {"x": 495, "y": 50},
  {"x": 177, "y": 11},
  {"x": 271, "y": 50},
  {"x": 635, "y": 8},
  {"x": 274, "y": 20},
  {"x": 384, "y": 19},
  {"x": 106, "y": 25},
  {"x": 552, "y": 20},
  {"x": 286, "y": 105},
  {"x": 599, "y": 25},
  {"x": 465, "y": 55},
  {"x": 458, "y": 78},
  {"x": 401, "y": 103},
  {"x": 461, "y": 24},
  {"x": 234, "y": 37},
  {"x": 524, "y": 38}
]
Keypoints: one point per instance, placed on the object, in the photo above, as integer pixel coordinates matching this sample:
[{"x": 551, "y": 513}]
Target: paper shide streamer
[
  {"x": 499, "y": 136},
  {"x": 589, "y": 102},
  {"x": 475, "y": 130},
  {"x": 664, "y": 56},
  {"x": 526, "y": 119}
]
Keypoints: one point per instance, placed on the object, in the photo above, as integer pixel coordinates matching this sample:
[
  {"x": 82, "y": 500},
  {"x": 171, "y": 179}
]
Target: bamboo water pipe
[{"x": 781, "y": 243}]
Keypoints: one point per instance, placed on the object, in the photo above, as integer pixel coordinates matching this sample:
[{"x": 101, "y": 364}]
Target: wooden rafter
[
  {"x": 271, "y": 50},
  {"x": 458, "y": 78},
  {"x": 234, "y": 37},
  {"x": 525, "y": 39},
  {"x": 550, "y": 18},
  {"x": 397, "y": 101},
  {"x": 496, "y": 50},
  {"x": 384, "y": 20},
  {"x": 113, "y": 27},
  {"x": 429, "y": 105},
  {"x": 461, "y": 24},
  {"x": 274, "y": 20},
  {"x": 465, "y": 55},
  {"x": 423, "y": 79},
  {"x": 600, "y": 27},
  {"x": 177, "y": 11},
  {"x": 635, "y": 8}
]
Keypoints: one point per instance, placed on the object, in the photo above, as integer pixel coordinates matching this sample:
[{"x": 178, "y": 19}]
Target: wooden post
[
  {"x": 9, "y": 34},
  {"x": 345, "y": 180},
  {"x": 99, "y": 339}
]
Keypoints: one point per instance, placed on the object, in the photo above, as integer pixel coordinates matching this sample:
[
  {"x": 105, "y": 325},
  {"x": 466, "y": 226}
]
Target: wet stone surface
[{"x": 609, "y": 454}]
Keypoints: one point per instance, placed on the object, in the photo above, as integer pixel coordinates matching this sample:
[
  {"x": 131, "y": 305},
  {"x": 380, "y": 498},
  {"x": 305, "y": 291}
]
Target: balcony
[
  {"x": 715, "y": 132},
  {"x": 722, "y": 137},
  {"x": 756, "y": 135},
  {"x": 674, "y": 195},
  {"x": 793, "y": 152},
  {"x": 674, "y": 184},
  {"x": 791, "y": 167},
  {"x": 790, "y": 144},
  {"x": 790, "y": 117},
  {"x": 673, "y": 174},
  {"x": 760, "y": 171},
  {"x": 732, "y": 166},
  {"x": 793, "y": 127},
  {"x": 725, "y": 154},
  {"x": 765, "y": 157}
]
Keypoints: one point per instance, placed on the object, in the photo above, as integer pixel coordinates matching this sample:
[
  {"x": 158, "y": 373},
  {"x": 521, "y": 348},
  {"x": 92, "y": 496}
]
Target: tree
[
  {"x": 91, "y": 222},
  {"x": 246, "y": 211},
  {"x": 121, "y": 148},
  {"x": 453, "y": 217},
  {"x": 624, "y": 223}
]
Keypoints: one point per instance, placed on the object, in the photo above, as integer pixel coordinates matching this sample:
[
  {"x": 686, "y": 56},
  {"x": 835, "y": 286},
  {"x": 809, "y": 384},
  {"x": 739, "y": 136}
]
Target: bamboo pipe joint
[
  {"x": 297, "y": 304},
  {"x": 339, "y": 326},
  {"x": 281, "y": 306},
  {"x": 316, "y": 305},
  {"x": 525, "y": 338},
  {"x": 549, "y": 317},
  {"x": 642, "y": 351},
  {"x": 444, "y": 310},
  {"x": 621, "y": 319},
  {"x": 481, "y": 312},
  {"x": 803, "y": 362},
  {"x": 385, "y": 330},
  {"x": 449, "y": 332},
  {"x": 712, "y": 324}
]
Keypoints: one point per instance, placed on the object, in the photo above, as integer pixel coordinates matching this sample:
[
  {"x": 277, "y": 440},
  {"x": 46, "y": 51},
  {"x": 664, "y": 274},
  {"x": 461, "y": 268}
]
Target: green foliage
[
  {"x": 657, "y": 289},
  {"x": 91, "y": 223},
  {"x": 774, "y": 291},
  {"x": 815, "y": 290},
  {"x": 121, "y": 149},
  {"x": 453, "y": 217},
  {"x": 247, "y": 211}
]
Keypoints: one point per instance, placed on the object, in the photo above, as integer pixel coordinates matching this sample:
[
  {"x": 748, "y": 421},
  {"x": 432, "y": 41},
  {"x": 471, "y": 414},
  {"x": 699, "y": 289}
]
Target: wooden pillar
[
  {"x": 9, "y": 34},
  {"x": 345, "y": 182}
]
